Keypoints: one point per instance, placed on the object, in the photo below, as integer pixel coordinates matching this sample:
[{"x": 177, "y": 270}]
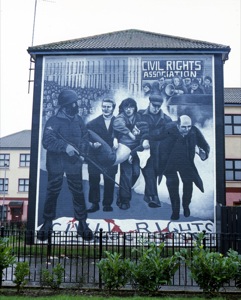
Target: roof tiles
[
  {"x": 18, "y": 140},
  {"x": 232, "y": 95},
  {"x": 129, "y": 39}
]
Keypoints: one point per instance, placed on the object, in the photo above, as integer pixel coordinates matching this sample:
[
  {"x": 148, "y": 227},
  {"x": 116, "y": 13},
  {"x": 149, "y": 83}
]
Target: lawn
[{"x": 74, "y": 297}]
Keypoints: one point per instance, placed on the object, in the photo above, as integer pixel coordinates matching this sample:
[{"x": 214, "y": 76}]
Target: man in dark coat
[
  {"x": 103, "y": 126},
  {"x": 177, "y": 148},
  {"x": 65, "y": 139},
  {"x": 156, "y": 120}
]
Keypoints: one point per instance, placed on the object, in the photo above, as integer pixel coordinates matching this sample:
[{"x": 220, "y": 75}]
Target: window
[
  {"x": 23, "y": 185},
  {"x": 24, "y": 160},
  {"x": 233, "y": 169},
  {"x": 4, "y": 160},
  {"x": 232, "y": 124},
  {"x": 3, "y": 212},
  {"x": 3, "y": 185}
]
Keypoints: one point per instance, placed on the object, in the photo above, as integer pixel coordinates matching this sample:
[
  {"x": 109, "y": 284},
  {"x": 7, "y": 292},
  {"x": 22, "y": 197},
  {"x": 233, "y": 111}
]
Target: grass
[
  {"x": 74, "y": 297},
  {"x": 17, "y": 241}
]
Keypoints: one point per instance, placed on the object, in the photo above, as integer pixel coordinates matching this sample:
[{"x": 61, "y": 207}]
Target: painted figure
[
  {"x": 207, "y": 85},
  {"x": 65, "y": 139},
  {"x": 177, "y": 148},
  {"x": 179, "y": 87},
  {"x": 130, "y": 132},
  {"x": 195, "y": 88},
  {"x": 146, "y": 89},
  {"x": 103, "y": 126},
  {"x": 156, "y": 121}
]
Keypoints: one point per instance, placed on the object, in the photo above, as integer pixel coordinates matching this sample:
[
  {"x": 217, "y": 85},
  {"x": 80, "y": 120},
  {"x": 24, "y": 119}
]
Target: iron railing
[{"x": 79, "y": 257}]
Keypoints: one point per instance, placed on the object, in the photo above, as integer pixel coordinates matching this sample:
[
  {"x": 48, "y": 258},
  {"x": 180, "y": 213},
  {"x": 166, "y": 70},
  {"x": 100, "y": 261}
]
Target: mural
[{"x": 126, "y": 145}]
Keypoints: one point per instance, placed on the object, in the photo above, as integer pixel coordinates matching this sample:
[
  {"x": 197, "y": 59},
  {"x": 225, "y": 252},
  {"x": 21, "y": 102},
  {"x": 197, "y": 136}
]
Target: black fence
[
  {"x": 79, "y": 257},
  {"x": 230, "y": 226}
]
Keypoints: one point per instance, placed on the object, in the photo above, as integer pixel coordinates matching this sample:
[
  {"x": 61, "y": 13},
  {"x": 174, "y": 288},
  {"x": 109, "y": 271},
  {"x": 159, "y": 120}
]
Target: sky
[{"x": 215, "y": 21}]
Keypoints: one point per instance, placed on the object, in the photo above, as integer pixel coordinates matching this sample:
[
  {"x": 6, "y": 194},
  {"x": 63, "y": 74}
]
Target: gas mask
[{"x": 71, "y": 109}]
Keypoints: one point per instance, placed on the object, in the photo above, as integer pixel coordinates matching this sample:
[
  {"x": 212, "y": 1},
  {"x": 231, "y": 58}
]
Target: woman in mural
[
  {"x": 195, "y": 88},
  {"x": 178, "y": 85}
]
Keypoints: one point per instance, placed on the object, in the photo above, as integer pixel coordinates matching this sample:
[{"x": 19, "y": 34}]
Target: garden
[{"x": 149, "y": 274}]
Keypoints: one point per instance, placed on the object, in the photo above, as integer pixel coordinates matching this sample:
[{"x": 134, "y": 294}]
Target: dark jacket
[
  {"x": 168, "y": 148},
  {"x": 156, "y": 125},
  {"x": 98, "y": 126},
  {"x": 122, "y": 127},
  {"x": 60, "y": 131}
]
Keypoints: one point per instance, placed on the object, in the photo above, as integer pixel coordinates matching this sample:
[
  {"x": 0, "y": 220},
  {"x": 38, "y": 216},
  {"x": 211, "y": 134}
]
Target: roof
[
  {"x": 232, "y": 95},
  {"x": 18, "y": 140},
  {"x": 129, "y": 40}
]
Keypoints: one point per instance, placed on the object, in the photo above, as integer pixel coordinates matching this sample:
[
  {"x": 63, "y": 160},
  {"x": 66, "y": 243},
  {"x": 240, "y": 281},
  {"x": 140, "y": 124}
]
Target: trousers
[
  {"x": 75, "y": 185},
  {"x": 172, "y": 182}
]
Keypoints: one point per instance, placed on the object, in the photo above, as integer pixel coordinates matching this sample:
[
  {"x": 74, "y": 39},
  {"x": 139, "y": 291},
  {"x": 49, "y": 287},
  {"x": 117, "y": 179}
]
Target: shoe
[
  {"x": 107, "y": 208},
  {"x": 124, "y": 206},
  {"x": 84, "y": 231},
  {"x": 175, "y": 216},
  {"x": 147, "y": 199},
  {"x": 186, "y": 212},
  {"x": 153, "y": 201},
  {"x": 45, "y": 230},
  {"x": 93, "y": 208}
]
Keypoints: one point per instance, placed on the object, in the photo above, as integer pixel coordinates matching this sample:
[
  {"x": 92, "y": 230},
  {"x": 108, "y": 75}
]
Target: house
[
  {"x": 118, "y": 65},
  {"x": 232, "y": 110},
  {"x": 14, "y": 176}
]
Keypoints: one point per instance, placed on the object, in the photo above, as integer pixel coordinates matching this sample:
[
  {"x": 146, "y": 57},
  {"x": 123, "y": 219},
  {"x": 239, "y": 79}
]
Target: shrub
[
  {"x": 6, "y": 257},
  {"x": 21, "y": 272},
  {"x": 114, "y": 270},
  {"x": 52, "y": 279},
  {"x": 153, "y": 270},
  {"x": 238, "y": 277},
  {"x": 210, "y": 270}
]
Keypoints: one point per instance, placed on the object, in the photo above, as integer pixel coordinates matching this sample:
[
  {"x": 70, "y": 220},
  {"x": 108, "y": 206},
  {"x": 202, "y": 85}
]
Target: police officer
[{"x": 65, "y": 138}]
